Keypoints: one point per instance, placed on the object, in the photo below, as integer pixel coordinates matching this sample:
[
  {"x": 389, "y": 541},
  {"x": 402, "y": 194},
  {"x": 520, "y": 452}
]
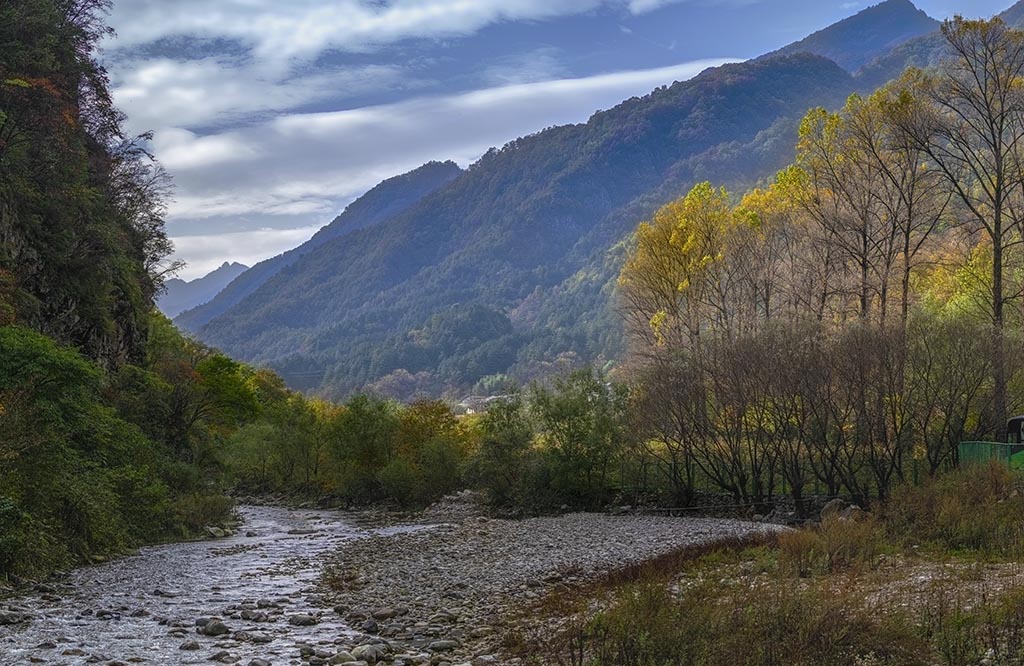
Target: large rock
[
  {"x": 214, "y": 627},
  {"x": 443, "y": 646},
  {"x": 371, "y": 654},
  {"x": 10, "y": 617},
  {"x": 302, "y": 620},
  {"x": 833, "y": 507}
]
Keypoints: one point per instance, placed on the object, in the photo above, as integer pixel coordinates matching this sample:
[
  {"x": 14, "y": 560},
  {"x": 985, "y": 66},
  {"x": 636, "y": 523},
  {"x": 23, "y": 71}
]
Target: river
[{"x": 143, "y": 608}]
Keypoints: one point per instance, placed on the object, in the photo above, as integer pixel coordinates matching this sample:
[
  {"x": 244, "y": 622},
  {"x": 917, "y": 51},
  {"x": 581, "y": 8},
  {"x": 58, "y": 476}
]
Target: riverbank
[
  {"x": 461, "y": 592},
  {"x": 452, "y": 588}
]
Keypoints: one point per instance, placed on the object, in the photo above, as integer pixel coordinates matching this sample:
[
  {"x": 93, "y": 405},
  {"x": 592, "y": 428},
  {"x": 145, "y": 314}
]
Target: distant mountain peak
[
  {"x": 180, "y": 295},
  {"x": 385, "y": 200},
  {"x": 868, "y": 34},
  {"x": 1014, "y": 16}
]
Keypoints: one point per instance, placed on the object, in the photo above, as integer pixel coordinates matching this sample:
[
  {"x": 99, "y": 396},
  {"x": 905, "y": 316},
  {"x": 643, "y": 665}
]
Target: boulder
[
  {"x": 302, "y": 620},
  {"x": 214, "y": 628},
  {"x": 371, "y": 654},
  {"x": 443, "y": 646},
  {"x": 833, "y": 507}
]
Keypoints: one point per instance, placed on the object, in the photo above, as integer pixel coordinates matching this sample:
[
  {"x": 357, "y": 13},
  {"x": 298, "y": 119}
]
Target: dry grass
[{"x": 934, "y": 577}]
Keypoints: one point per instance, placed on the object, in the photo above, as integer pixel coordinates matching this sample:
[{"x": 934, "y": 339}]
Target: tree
[
  {"x": 969, "y": 120},
  {"x": 506, "y": 438},
  {"x": 81, "y": 203},
  {"x": 582, "y": 424}
]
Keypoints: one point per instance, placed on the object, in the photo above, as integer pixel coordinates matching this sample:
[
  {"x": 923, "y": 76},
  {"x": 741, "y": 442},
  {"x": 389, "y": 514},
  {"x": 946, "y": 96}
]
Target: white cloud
[
  {"x": 280, "y": 32},
  {"x": 646, "y": 6},
  {"x": 315, "y": 161},
  {"x": 206, "y": 252},
  {"x": 538, "y": 65},
  {"x": 160, "y": 92},
  {"x": 180, "y": 149}
]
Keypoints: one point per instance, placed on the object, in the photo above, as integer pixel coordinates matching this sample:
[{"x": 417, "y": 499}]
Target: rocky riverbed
[
  {"x": 256, "y": 592},
  {"x": 454, "y": 594},
  {"x": 443, "y": 592}
]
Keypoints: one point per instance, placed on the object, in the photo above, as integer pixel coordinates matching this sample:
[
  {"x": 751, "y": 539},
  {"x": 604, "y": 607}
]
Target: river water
[{"x": 142, "y": 608}]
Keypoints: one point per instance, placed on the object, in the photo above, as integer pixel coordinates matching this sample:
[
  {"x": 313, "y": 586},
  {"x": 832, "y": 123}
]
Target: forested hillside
[
  {"x": 384, "y": 201},
  {"x": 923, "y": 51},
  {"x": 391, "y": 303},
  {"x": 532, "y": 235},
  {"x": 80, "y": 202}
]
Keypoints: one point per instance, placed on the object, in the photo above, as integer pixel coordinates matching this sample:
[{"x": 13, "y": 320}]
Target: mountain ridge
[
  {"x": 384, "y": 200},
  {"x": 857, "y": 40},
  {"x": 181, "y": 295},
  {"x": 529, "y": 238},
  {"x": 502, "y": 229}
]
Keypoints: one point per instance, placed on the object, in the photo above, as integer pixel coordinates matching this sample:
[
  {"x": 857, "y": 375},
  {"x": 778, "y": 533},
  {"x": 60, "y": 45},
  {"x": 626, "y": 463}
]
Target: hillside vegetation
[
  {"x": 536, "y": 232},
  {"x": 532, "y": 219},
  {"x": 384, "y": 201}
]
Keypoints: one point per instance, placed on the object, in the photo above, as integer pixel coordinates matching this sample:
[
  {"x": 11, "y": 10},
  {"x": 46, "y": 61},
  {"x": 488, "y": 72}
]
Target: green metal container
[{"x": 982, "y": 453}]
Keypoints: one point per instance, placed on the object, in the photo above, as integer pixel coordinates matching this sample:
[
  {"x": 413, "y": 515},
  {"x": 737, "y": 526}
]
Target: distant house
[{"x": 476, "y": 404}]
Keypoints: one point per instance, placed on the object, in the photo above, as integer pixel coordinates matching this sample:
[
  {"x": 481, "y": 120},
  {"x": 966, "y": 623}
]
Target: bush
[
  {"x": 738, "y": 626},
  {"x": 977, "y": 509},
  {"x": 195, "y": 512},
  {"x": 400, "y": 481},
  {"x": 801, "y": 552},
  {"x": 850, "y": 543}
]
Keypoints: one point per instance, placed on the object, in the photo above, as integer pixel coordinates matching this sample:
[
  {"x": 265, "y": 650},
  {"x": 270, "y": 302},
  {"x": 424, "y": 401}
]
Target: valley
[{"x": 723, "y": 374}]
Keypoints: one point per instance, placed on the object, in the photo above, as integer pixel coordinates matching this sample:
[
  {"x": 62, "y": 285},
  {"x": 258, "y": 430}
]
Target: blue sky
[{"x": 272, "y": 115}]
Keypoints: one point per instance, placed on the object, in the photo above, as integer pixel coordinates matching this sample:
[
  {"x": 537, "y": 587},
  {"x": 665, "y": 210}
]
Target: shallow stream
[{"x": 143, "y": 608}]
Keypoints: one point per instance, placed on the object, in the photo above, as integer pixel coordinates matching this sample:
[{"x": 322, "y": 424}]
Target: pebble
[{"x": 453, "y": 590}]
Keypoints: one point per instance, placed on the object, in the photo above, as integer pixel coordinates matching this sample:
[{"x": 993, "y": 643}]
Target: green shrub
[
  {"x": 977, "y": 510},
  {"x": 194, "y": 512},
  {"x": 400, "y": 481}
]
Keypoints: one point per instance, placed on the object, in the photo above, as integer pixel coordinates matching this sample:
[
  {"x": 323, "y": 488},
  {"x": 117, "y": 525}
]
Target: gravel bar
[{"x": 446, "y": 595}]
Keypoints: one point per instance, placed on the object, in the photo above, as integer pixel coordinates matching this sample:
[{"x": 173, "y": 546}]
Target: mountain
[
  {"x": 509, "y": 268},
  {"x": 180, "y": 295},
  {"x": 384, "y": 201},
  {"x": 460, "y": 285},
  {"x": 923, "y": 51},
  {"x": 1014, "y": 16},
  {"x": 869, "y": 34}
]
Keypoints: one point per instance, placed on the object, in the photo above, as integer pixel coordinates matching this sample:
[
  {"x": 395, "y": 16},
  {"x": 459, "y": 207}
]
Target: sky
[{"x": 272, "y": 115}]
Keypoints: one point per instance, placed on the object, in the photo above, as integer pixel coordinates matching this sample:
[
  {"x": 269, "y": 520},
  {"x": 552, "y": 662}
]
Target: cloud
[
  {"x": 159, "y": 92},
  {"x": 206, "y": 252},
  {"x": 646, "y": 6},
  {"x": 538, "y": 65},
  {"x": 180, "y": 149},
  {"x": 316, "y": 161},
  {"x": 280, "y": 32}
]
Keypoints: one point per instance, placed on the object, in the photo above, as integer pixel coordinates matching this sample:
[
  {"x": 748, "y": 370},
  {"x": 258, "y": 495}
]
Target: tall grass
[{"x": 818, "y": 595}]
